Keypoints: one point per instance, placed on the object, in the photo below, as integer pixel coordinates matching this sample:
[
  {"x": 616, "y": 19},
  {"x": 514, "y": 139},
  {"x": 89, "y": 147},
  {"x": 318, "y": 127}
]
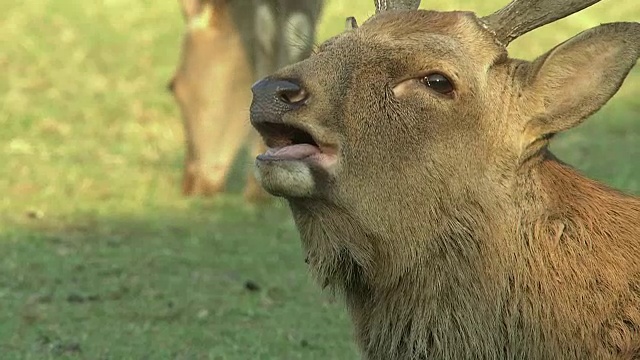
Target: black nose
[{"x": 273, "y": 98}]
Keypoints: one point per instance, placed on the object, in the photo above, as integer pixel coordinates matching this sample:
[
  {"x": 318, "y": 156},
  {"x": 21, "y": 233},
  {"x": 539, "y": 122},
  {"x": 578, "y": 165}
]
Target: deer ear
[
  {"x": 350, "y": 23},
  {"x": 576, "y": 78}
]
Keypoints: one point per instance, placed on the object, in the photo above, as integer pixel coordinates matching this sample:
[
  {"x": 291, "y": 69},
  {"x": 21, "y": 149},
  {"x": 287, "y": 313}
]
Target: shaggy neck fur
[{"x": 489, "y": 281}]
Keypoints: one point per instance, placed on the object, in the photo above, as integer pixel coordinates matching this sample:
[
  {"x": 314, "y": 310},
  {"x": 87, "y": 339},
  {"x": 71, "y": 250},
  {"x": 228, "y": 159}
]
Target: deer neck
[
  {"x": 552, "y": 194},
  {"x": 406, "y": 288},
  {"x": 457, "y": 279}
]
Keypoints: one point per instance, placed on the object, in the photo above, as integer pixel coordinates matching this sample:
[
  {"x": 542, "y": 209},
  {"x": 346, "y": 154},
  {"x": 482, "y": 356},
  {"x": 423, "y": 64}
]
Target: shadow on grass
[{"x": 217, "y": 280}]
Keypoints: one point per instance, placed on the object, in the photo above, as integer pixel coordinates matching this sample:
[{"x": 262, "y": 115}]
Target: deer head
[{"x": 424, "y": 99}]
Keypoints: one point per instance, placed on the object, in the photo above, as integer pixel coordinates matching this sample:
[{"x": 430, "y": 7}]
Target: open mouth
[{"x": 286, "y": 142}]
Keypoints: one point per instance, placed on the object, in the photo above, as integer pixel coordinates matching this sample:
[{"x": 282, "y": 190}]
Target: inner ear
[
  {"x": 576, "y": 78},
  {"x": 350, "y": 23}
]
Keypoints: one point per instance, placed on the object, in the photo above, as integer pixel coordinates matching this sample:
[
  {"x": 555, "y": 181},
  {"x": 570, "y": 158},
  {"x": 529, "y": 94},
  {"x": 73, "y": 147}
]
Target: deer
[
  {"x": 226, "y": 46},
  {"x": 413, "y": 154}
]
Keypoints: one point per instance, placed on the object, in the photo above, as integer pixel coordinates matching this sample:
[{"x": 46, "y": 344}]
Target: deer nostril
[
  {"x": 293, "y": 96},
  {"x": 272, "y": 98}
]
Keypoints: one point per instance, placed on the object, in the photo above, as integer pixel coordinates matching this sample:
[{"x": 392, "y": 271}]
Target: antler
[
  {"x": 522, "y": 16},
  {"x": 383, "y": 5}
]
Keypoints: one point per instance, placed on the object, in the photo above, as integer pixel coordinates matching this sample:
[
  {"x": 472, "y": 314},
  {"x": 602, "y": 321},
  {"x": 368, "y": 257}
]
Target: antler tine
[
  {"x": 383, "y": 5},
  {"x": 522, "y": 16}
]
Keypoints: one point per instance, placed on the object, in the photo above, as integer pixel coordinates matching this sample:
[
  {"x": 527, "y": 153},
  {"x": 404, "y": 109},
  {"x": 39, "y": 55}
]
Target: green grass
[{"x": 100, "y": 255}]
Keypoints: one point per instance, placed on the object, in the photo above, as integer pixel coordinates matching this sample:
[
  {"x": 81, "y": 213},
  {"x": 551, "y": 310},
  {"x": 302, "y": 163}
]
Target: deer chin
[{"x": 292, "y": 162}]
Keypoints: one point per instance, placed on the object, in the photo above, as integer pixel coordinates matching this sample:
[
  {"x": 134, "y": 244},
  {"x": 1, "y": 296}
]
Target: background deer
[
  {"x": 227, "y": 45},
  {"x": 413, "y": 153}
]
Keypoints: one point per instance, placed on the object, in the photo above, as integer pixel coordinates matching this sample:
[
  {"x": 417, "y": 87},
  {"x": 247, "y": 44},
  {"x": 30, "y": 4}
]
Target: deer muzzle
[
  {"x": 295, "y": 147},
  {"x": 272, "y": 100}
]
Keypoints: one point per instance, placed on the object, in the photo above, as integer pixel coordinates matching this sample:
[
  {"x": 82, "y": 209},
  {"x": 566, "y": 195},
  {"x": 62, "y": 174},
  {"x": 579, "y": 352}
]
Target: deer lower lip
[{"x": 290, "y": 152}]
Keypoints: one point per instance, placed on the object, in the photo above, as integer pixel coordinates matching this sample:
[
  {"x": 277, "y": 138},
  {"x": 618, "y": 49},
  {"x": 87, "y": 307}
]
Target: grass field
[{"x": 100, "y": 256}]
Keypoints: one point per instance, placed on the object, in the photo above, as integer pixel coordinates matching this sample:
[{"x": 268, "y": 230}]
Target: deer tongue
[{"x": 293, "y": 152}]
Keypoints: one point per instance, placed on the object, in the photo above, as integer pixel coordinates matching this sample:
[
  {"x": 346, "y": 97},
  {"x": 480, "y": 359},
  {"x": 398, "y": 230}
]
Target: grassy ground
[{"x": 101, "y": 258}]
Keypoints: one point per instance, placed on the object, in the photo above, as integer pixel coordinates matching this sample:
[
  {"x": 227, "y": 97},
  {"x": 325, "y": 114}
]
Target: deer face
[{"x": 396, "y": 101}]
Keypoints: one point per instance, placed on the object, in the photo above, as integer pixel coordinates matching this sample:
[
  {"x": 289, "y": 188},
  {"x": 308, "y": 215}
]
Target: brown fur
[
  {"x": 448, "y": 226},
  {"x": 219, "y": 62}
]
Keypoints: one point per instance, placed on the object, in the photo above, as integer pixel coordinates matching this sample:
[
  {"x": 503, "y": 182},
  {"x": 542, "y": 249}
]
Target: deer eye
[{"x": 438, "y": 82}]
